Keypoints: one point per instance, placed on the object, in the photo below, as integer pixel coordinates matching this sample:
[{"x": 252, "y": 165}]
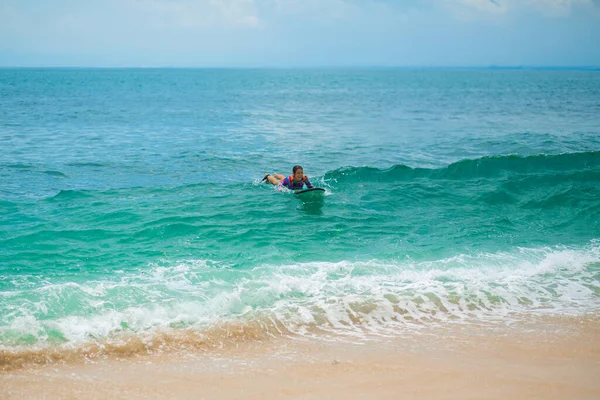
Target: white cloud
[
  {"x": 105, "y": 28},
  {"x": 558, "y": 7},
  {"x": 197, "y": 13},
  {"x": 111, "y": 14},
  {"x": 475, "y": 8},
  {"x": 333, "y": 10},
  {"x": 315, "y": 9}
]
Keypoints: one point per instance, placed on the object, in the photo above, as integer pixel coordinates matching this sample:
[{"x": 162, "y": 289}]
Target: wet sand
[{"x": 549, "y": 359}]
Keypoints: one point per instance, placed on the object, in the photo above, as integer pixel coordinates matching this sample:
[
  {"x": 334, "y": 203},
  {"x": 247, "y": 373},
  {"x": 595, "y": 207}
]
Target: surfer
[{"x": 292, "y": 182}]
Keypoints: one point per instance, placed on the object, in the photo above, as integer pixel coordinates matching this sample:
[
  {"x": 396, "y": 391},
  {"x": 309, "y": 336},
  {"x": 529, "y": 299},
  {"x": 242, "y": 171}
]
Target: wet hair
[{"x": 296, "y": 168}]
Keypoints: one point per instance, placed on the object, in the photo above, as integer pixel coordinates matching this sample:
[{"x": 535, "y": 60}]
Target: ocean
[{"x": 133, "y": 218}]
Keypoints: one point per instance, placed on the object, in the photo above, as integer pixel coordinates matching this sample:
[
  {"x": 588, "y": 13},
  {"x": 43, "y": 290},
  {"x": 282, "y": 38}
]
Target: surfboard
[{"x": 313, "y": 193}]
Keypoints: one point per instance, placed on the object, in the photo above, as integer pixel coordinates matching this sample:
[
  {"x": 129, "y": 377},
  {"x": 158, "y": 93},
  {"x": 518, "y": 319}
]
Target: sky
[{"x": 299, "y": 33}]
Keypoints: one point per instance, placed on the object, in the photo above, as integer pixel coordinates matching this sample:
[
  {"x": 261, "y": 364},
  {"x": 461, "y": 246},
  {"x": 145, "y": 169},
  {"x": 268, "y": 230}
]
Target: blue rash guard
[{"x": 290, "y": 184}]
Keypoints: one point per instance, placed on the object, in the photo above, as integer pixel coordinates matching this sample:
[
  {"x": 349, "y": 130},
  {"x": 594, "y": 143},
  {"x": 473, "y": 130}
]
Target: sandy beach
[{"x": 546, "y": 359}]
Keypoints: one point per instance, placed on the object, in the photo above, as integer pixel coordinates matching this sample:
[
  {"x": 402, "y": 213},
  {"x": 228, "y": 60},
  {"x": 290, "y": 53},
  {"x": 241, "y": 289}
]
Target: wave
[
  {"x": 586, "y": 164},
  {"x": 8, "y": 205},
  {"x": 66, "y": 194},
  {"x": 19, "y": 166},
  {"x": 56, "y": 237},
  {"x": 56, "y": 174},
  {"x": 223, "y": 335},
  {"x": 202, "y": 303},
  {"x": 88, "y": 164}
]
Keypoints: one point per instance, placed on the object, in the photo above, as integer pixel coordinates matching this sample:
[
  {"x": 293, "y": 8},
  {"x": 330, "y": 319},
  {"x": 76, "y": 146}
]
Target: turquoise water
[{"x": 131, "y": 202}]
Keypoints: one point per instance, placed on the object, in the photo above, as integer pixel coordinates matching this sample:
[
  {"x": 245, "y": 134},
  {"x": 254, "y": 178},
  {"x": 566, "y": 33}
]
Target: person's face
[{"x": 298, "y": 175}]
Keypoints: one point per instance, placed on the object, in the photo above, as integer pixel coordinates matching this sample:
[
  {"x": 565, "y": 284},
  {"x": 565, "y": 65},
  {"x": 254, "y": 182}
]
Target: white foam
[{"x": 345, "y": 297}]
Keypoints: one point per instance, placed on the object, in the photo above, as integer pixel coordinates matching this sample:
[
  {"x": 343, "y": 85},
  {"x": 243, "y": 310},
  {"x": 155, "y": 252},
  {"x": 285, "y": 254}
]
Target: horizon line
[{"x": 331, "y": 66}]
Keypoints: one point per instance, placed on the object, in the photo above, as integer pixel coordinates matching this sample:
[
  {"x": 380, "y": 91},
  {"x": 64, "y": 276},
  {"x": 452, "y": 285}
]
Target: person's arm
[{"x": 307, "y": 182}]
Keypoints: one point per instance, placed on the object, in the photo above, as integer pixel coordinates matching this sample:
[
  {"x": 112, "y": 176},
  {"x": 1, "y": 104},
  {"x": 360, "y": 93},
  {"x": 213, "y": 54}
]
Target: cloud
[
  {"x": 474, "y": 9},
  {"x": 71, "y": 26},
  {"x": 552, "y": 8},
  {"x": 333, "y": 10},
  {"x": 299, "y": 32},
  {"x": 195, "y": 14},
  {"x": 559, "y": 8},
  {"x": 198, "y": 13},
  {"x": 315, "y": 10}
]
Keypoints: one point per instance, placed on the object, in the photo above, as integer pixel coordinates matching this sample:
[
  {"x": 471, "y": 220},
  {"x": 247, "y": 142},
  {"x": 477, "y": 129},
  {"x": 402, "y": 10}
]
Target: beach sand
[{"x": 552, "y": 358}]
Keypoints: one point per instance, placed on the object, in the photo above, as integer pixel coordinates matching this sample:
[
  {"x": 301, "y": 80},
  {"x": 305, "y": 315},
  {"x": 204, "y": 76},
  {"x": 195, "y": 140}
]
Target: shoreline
[{"x": 550, "y": 358}]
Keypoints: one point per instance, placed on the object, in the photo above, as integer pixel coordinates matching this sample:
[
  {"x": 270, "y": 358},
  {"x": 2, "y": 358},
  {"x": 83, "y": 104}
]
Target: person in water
[{"x": 292, "y": 182}]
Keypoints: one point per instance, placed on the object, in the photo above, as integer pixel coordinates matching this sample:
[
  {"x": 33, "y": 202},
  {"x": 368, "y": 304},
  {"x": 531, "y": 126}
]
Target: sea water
[{"x": 131, "y": 202}]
